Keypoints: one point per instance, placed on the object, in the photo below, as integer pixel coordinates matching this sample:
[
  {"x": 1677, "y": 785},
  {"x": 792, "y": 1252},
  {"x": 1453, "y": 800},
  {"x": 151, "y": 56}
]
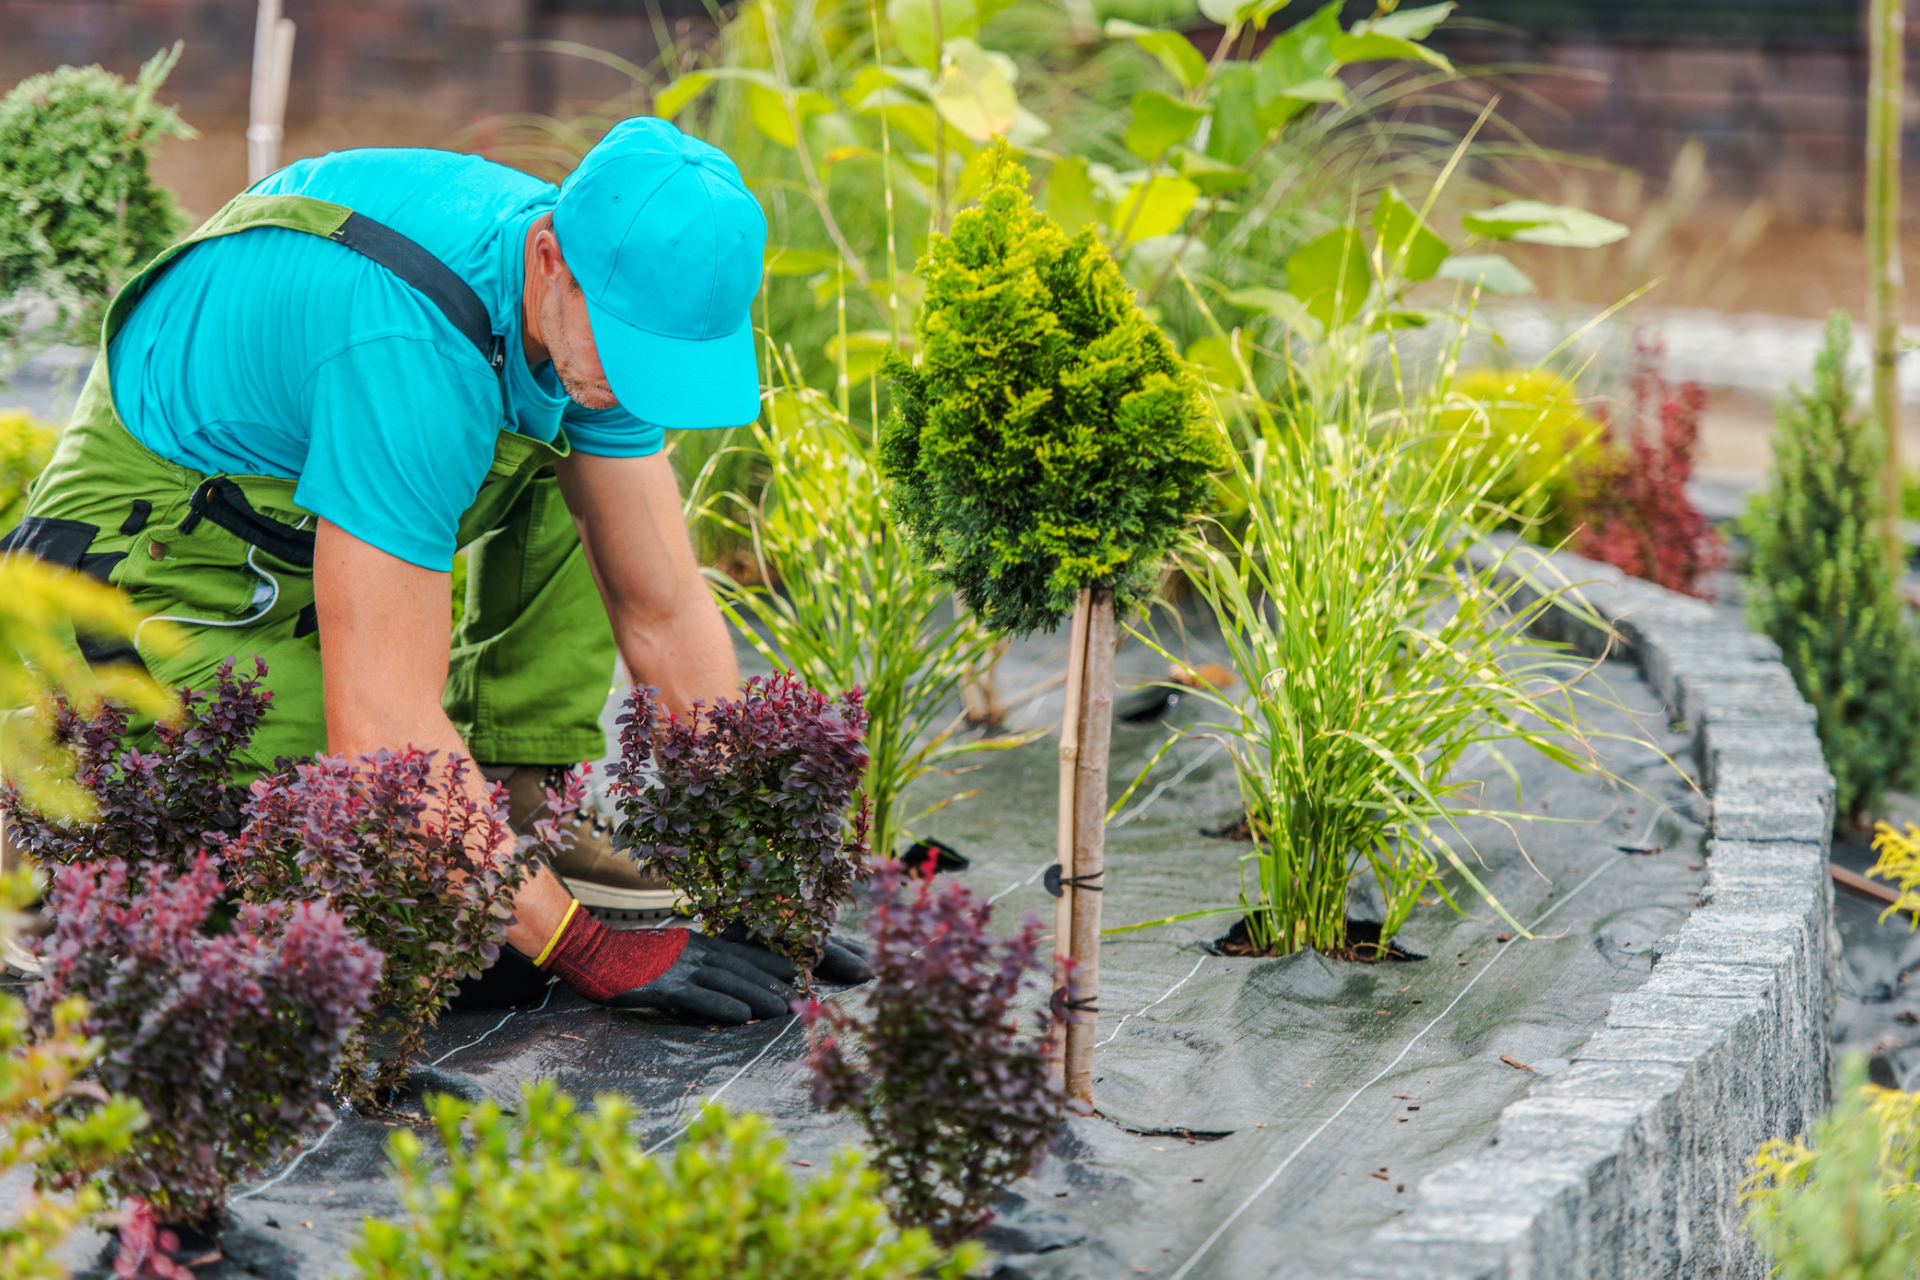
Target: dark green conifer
[
  {"x": 1049, "y": 439},
  {"x": 1822, "y": 585}
]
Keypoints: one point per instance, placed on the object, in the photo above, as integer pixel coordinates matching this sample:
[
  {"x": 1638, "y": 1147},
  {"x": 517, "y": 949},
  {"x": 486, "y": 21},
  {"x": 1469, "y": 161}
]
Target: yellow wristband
[{"x": 541, "y": 959}]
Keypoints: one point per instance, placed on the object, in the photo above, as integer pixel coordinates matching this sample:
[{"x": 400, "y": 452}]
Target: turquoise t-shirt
[{"x": 275, "y": 352}]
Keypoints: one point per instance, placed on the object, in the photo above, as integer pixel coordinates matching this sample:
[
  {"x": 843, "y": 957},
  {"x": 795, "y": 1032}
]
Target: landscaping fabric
[{"x": 1254, "y": 1116}]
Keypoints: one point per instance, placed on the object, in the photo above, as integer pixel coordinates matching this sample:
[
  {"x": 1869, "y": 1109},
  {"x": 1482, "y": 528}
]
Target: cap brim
[{"x": 679, "y": 383}]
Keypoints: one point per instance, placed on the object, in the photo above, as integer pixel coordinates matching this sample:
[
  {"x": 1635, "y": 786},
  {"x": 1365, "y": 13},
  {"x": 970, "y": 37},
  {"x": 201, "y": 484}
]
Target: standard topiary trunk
[{"x": 1822, "y": 586}]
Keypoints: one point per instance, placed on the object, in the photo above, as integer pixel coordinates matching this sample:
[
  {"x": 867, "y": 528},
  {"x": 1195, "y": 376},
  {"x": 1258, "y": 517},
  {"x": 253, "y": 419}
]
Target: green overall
[{"x": 532, "y": 656}]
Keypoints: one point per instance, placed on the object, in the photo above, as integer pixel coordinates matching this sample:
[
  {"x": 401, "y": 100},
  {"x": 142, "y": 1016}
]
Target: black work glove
[
  {"x": 843, "y": 962},
  {"x": 716, "y": 982}
]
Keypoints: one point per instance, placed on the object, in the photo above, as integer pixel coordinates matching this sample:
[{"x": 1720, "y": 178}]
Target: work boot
[
  {"x": 608, "y": 882},
  {"x": 28, "y": 922}
]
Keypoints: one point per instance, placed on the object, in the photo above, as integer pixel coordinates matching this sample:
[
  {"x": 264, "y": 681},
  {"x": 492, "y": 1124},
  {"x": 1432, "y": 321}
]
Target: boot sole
[{"x": 606, "y": 903}]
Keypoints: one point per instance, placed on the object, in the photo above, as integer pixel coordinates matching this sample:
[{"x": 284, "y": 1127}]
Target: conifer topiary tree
[
  {"x": 1822, "y": 586},
  {"x": 1049, "y": 439}
]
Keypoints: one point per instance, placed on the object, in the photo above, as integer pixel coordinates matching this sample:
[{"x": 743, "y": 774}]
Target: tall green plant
[
  {"x": 1822, "y": 586},
  {"x": 843, "y": 604},
  {"x": 79, "y": 209}
]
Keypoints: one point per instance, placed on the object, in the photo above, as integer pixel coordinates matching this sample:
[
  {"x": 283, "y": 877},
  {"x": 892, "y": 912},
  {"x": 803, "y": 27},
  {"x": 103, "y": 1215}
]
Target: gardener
[{"x": 371, "y": 359}]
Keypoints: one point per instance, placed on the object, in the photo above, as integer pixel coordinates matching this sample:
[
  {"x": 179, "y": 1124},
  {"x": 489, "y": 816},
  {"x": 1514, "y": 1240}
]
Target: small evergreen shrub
[
  {"x": 227, "y": 1041},
  {"x": 1636, "y": 515},
  {"x": 426, "y": 874},
  {"x": 155, "y": 809},
  {"x": 752, "y": 808},
  {"x": 957, "y": 1103},
  {"x": 79, "y": 209},
  {"x": 1538, "y": 438},
  {"x": 1823, "y": 588},
  {"x": 554, "y": 1193},
  {"x": 1840, "y": 1201},
  {"x": 25, "y": 446},
  {"x": 1050, "y": 438}
]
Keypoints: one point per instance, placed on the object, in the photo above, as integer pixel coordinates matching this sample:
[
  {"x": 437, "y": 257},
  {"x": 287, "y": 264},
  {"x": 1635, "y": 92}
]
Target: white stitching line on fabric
[
  {"x": 1280, "y": 1168},
  {"x": 715, "y": 1095},
  {"x": 1150, "y": 1008}
]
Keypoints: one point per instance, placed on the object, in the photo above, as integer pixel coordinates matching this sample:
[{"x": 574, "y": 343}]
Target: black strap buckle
[
  {"x": 1055, "y": 881},
  {"x": 222, "y": 502}
]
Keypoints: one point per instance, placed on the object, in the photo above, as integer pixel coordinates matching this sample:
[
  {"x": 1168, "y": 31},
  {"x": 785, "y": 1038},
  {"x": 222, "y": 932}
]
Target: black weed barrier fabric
[{"x": 1254, "y": 1116}]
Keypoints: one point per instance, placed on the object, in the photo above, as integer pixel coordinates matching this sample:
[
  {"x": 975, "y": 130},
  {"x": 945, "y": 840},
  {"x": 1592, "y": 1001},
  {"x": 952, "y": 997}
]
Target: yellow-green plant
[
  {"x": 1843, "y": 1201},
  {"x": 41, "y": 1127},
  {"x": 555, "y": 1193},
  {"x": 1899, "y": 863},
  {"x": 25, "y": 446},
  {"x": 1530, "y": 426},
  {"x": 843, "y": 604}
]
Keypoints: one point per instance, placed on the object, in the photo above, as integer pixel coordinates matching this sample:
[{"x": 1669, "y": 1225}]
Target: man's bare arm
[
  {"x": 669, "y": 630},
  {"x": 383, "y": 658}
]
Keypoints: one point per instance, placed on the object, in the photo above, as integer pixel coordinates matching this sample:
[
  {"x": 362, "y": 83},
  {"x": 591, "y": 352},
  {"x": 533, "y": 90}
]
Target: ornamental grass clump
[
  {"x": 227, "y": 1041},
  {"x": 154, "y": 809},
  {"x": 423, "y": 871},
  {"x": 1049, "y": 439},
  {"x": 1823, "y": 587},
  {"x": 562, "y": 1194},
  {"x": 956, "y": 1101},
  {"x": 751, "y": 808}
]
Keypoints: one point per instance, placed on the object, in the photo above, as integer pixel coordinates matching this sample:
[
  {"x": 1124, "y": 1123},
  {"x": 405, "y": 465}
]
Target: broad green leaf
[
  {"x": 869, "y": 81},
  {"x": 1277, "y": 303},
  {"x": 1539, "y": 223},
  {"x": 768, "y": 111},
  {"x": 913, "y": 27},
  {"x": 1171, "y": 49},
  {"x": 1159, "y": 123},
  {"x": 1376, "y": 46},
  {"x": 1241, "y": 12},
  {"x": 788, "y": 261},
  {"x": 1236, "y": 132},
  {"x": 1211, "y": 176},
  {"x": 1408, "y": 24},
  {"x": 1214, "y": 359},
  {"x": 670, "y": 101},
  {"x": 1409, "y": 247},
  {"x": 1301, "y": 54},
  {"x": 974, "y": 93},
  {"x": 866, "y": 348},
  {"x": 1071, "y": 197},
  {"x": 1155, "y": 208},
  {"x": 1028, "y": 129},
  {"x": 1488, "y": 271},
  {"x": 1329, "y": 275},
  {"x": 1326, "y": 89}
]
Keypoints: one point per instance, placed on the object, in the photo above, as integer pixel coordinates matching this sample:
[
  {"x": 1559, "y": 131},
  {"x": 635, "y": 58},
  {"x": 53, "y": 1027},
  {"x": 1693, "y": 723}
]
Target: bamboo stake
[
  {"x": 1886, "y": 84},
  {"x": 1090, "y": 836},
  {"x": 1064, "y": 842},
  {"x": 267, "y": 106}
]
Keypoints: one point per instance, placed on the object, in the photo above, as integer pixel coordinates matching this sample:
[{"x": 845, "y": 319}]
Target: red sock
[{"x": 601, "y": 963}]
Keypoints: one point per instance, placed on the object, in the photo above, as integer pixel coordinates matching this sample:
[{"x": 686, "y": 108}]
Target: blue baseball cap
[{"x": 666, "y": 242}]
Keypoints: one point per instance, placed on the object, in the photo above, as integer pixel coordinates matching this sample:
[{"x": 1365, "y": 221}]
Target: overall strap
[{"x": 432, "y": 277}]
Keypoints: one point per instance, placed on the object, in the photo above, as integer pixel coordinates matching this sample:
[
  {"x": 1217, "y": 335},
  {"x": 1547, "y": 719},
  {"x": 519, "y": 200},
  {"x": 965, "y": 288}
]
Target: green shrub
[
  {"x": 79, "y": 209},
  {"x": 1050, "y": 438},
  {"x": 1844, "y": 1203},
  {"x": 25, "y": 446},
  {"x": 1824, "y": 589},
  {"x": 1532, "y": 425},
  {"x": 553, "y": 1193}
]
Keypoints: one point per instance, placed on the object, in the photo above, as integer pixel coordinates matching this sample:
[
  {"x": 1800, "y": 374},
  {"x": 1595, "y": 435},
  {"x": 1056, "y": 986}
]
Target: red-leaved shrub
[
  {"x": 744, "y": 807},
  {"x": 227, "y": 1041},
  {"x": 957, "y": 1103},
  {"x": 394, "y": 842},
  {"x": 1635, "y": 513},
  {"x": 162, "y": 807}
]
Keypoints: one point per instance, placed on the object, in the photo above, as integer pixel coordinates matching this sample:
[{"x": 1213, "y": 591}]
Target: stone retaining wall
[{"x": 1626, "y": 1164}]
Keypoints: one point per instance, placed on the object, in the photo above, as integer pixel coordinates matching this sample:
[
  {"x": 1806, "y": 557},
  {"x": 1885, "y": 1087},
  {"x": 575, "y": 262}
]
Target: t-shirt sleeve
[
  {"x": 610, "y": 433},
  {"x": 402, "y": 436}
]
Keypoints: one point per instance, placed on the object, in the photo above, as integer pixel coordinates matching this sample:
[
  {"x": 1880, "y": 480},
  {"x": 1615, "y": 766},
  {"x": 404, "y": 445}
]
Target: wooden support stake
[
  {"x": 1063, "y": 842},
  {"x": 1090, "y": 833}
]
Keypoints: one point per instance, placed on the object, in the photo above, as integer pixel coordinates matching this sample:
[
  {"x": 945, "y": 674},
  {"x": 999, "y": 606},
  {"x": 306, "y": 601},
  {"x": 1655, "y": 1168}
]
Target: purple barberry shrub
[
  {"x": 163, "y": 807},
  {"x": 227, "y": 1041},
  {"x": 751, "y": 808},
  {"x": 956, "y": 1101},
  {"x": 420, "y": 869}
]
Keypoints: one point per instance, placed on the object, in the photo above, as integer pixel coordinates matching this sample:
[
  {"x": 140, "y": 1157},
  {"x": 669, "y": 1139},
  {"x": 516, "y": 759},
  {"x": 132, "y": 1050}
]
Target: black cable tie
[
  {"x": 1054, "y": 880},
  {"x": 1085, "y": 1004}
]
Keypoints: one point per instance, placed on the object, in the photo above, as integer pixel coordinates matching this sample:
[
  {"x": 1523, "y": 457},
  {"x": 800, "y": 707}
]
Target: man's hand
[
  {"x": 669, "y": 630},
  {"x": 383, "y": 658}
]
